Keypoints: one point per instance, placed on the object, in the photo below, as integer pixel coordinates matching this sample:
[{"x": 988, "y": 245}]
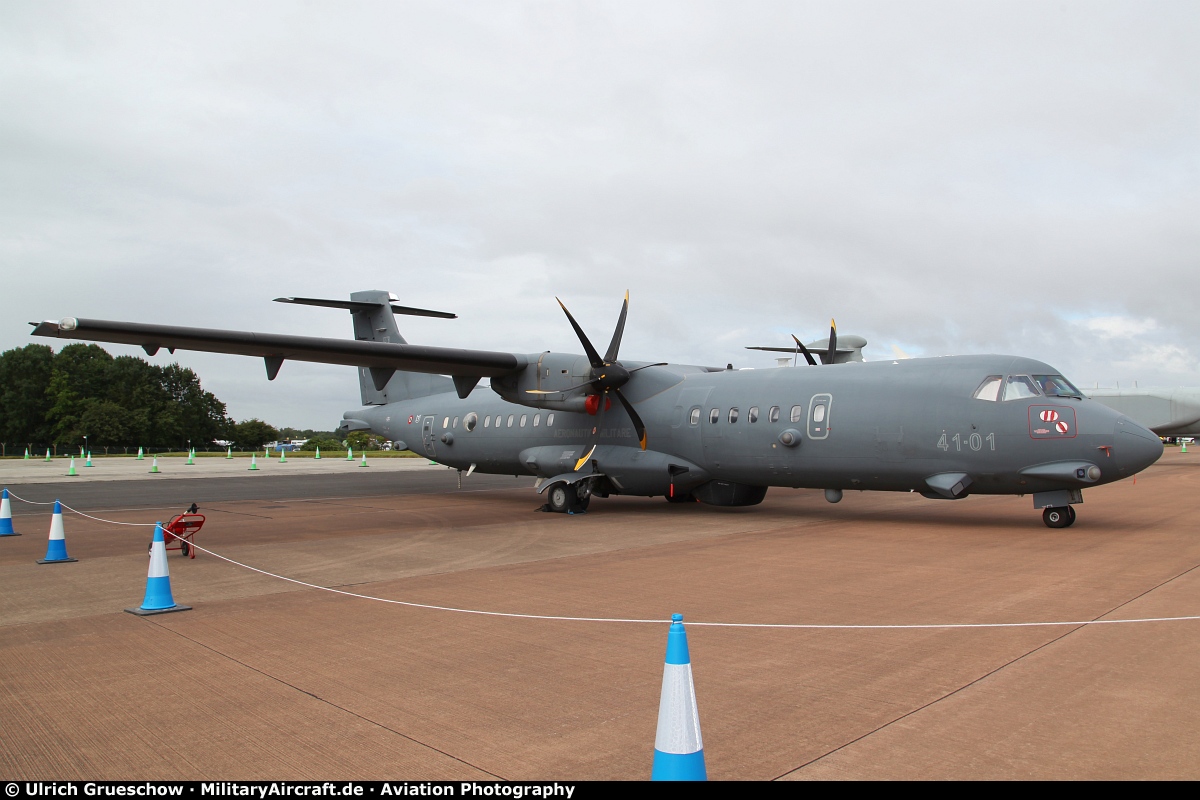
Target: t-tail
[{"x": 374, "y": 315}]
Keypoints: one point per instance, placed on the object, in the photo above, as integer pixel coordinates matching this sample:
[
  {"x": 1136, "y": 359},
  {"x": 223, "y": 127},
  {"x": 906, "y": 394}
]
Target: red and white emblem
[
  {"x": 410, "y": 419},
  {"x": 1062, "y": 427},
  {"x": 1049, "y": 415}
]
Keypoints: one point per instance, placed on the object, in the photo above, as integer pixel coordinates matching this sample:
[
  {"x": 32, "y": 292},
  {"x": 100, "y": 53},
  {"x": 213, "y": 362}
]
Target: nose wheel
[{"x": 1058, "y": 516}]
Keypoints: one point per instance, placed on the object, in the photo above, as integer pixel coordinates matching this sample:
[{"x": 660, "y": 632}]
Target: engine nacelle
[{"x": 558, "y": 373}]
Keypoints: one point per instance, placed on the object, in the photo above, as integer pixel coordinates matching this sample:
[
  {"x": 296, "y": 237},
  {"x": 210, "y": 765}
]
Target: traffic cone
[
  {"x": 154, "y": 466},
  {"x": 283, "y": 456},
  {"x": 140, "y": 456},
  {"x": 191, "y": 458},
  {"x": 56, "y": 549},
  {"x": 6, "y": 526},
  {"x": 364, "y": 460},
  {"x": 89, "y": 459},
  {"x": 254, "y": 462},
  {"x": 26, "y": 453},
  {"x": 1184, "y": 450},
  {"x": 158, "y": 581},
  {"x": 47, "y": 455},
  {"x": 229, "y": 452},
  {"x": 318, "y": 455},
  {"x": 678, "y": 747},
  {"x": 349, "y": 453},
  {"x": 71, "y": 473}
]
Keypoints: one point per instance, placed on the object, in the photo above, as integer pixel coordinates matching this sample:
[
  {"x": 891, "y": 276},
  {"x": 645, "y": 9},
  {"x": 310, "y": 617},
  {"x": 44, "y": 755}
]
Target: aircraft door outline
[
  {"x": 427, "y": 434},
  {"x": 819, "y": 408}
]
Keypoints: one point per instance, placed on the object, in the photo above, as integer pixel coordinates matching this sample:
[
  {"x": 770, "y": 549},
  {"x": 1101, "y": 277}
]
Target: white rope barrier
[{"x": 621, "y": 620}]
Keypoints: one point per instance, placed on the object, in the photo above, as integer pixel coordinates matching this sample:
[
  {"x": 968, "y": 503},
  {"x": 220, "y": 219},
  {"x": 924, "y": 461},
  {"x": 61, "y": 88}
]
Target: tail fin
[{"x": 374, "y": 318}]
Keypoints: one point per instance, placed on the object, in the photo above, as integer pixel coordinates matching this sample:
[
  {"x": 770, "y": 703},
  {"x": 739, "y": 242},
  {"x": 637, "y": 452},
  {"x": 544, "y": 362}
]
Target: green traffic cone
[
  {"x": 349, "y": 453},
  {"x": 89, "y": 459},
  {"x": 254, "y": 462},
  {"x": 71, "y": 473},
  {"x": 47, "y": 454},
  {"x": 140, "y": 456},
  {"x": 364, "y": 460},
  {"x": 283, "y": 456},
  {"x": 191, "y": 457},
  {"x": 318, "y": 455},
  {"x": 26, "y": 453},
  {"x": 154, "y": 466},
  {"x": 1184, "y": 450},
  {"x": 229, "y": 452}
]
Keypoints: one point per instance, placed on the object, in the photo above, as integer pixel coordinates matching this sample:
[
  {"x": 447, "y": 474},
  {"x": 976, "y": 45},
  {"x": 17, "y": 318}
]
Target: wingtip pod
[{"x": 678, "y": 745}]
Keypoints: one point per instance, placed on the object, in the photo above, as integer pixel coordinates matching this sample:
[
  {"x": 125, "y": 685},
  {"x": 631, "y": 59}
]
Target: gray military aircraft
[
  {"x": 1170, "y": 413},
  {"x": 596, "y": 425}
]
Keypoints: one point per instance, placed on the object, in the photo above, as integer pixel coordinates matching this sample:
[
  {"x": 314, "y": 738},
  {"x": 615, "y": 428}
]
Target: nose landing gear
[{"x": 1058, "y": 516}]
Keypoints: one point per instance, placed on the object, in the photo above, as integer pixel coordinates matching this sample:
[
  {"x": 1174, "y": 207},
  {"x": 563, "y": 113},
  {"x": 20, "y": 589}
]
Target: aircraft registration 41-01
[{"x": 596, "y": 425}]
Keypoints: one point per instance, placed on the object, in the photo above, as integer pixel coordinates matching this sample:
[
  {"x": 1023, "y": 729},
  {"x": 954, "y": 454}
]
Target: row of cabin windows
[
  {"x": 796, "y": 415},
  {"x": 471, "y": 421},
  {"x": 1020, "y": 387}
]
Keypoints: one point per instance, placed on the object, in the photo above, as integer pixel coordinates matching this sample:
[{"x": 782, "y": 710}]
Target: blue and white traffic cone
[
  {"x": 678, "y": 748},
  {"x": 56, "y": 548},
  {"x": 6, "y": 526},
  {"x": 158, "y": 581}
]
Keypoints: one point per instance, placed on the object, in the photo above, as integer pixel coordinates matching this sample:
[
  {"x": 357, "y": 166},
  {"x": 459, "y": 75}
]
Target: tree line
[{"x": 50, "y": 399}]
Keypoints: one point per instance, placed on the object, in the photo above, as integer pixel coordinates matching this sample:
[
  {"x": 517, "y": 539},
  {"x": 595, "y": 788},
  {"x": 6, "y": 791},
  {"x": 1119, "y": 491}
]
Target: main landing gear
[
  {"x": 1058, "y": 516},
  {"x": 567, "y": 498}
]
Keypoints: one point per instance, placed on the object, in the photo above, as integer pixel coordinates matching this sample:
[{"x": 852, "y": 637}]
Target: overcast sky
[{"x": 956, "y": 177}]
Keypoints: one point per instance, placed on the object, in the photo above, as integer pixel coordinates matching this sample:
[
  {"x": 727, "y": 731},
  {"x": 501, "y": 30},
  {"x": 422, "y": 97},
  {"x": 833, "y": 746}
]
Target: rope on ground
[{"x": 555, "y": 618}]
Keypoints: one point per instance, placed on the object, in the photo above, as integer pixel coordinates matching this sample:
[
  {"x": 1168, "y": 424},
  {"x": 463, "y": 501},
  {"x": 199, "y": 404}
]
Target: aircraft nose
[{"x": 1136, "y": 447}]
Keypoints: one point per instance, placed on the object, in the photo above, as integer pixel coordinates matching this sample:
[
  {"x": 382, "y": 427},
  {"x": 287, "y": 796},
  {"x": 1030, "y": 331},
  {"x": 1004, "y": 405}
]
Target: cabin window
[
  {"x": 455, "y": 423},
  {"x": 752, "y": 415},
  {"x": 714, "y": 415},
  {"x": 798, "y": 414},
  {"x": 733, "y": 415},
  {"x": 990, "y": 388},
  {"x": 524, "y": 419},
  {"x": 819, "y": 413},
  {"x": 549, "y": 420},
  {"x": 537, "y": 420},
  {"x": 470, "y": 421},
  {"x": 1056, "y": 386},
  {"x": 1020, "y": 387},
  {"x": 446, "y": 422},
  {"x": 773, "y": 414},
  {"x": 510, "y": 420},
  {"x": 694, "y": 417},
  {"x": 487, "y": 420}
]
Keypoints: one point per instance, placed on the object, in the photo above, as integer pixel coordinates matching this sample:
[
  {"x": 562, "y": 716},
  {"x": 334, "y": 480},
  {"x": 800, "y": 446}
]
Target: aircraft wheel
[
  {"x": 583, "y": 496},
  {"x": 561, "y": 497},
  {"x": 1070, "y": 516},
  {"x": 1057, "y": 516}
]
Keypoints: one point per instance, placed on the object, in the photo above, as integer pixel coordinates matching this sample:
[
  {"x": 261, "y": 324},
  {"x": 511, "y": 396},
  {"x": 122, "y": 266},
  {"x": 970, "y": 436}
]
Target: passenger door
[
  {"x": 427, "y": 435},
  {"x": 818, "y": 415}
]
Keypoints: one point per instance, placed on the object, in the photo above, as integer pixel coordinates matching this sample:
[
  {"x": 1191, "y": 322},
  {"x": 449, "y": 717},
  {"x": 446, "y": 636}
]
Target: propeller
[
  {"x": 832, "y": 342},
  {"x": 807, "y": 355},
  {"x": 607, "y": 374}
]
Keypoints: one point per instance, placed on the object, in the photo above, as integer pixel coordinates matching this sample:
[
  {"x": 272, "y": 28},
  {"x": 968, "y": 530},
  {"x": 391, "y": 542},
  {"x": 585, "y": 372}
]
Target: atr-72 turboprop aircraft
[{"x": 595, "y": 425}]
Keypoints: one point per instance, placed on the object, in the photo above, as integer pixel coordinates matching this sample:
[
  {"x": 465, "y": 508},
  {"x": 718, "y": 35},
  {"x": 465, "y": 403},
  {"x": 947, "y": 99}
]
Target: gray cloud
[{"x": 941, "y": 176}]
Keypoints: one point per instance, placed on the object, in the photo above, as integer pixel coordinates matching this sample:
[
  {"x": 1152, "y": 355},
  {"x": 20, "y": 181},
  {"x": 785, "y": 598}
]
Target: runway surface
[{"x": 265, "y": 679}]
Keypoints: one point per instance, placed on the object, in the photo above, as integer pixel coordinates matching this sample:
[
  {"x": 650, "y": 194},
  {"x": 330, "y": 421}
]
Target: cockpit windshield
[
  {"x": 1056, "y": 386},
  {"x": 1020, "y": 387}
]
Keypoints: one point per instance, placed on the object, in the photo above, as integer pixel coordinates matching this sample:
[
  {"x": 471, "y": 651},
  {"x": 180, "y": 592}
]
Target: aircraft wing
[{"x": 275, "y": 348}]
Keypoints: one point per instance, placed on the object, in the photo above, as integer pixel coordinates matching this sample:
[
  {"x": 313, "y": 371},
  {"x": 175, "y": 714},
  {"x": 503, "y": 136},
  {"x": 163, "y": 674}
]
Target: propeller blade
[
  {"x": 648, "y": 366},
  {"x": 579, "y": 464},
  {"x": 592, "y": 355},
  {"x": 832, "y": 342},
  {"x": 807, "y": 355},
  {"x": 615, "y": 344},
  {"x": 558, "y": 391},
  {"x": 638, "y": 426}
]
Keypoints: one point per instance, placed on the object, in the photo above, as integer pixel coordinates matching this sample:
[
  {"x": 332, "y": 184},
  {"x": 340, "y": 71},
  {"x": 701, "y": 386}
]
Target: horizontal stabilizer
[{"x": 354, "y": 305}]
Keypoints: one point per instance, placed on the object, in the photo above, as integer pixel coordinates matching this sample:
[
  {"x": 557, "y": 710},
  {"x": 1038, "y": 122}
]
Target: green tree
[
  {"x": 106, "y": 423},
  {"x": 252, "y": 434},
  {"x": 326, "y": 443},
  {"x": 24, "y": 380}
]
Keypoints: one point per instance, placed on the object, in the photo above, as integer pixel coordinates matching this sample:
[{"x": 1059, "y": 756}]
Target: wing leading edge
[{"x": 382, "y": 358}]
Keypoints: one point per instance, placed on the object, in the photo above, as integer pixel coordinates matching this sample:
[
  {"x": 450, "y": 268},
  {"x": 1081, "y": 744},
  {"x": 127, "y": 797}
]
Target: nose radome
[{"x": 1136, "y": 447}]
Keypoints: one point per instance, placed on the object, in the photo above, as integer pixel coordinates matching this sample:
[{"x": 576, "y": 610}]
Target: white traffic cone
[
  {"x": 678, "y": 747},
  {"x": 6, "y": 526},
  {"x": 56, "y": 548},
  {"x": 158, "y": 582}
]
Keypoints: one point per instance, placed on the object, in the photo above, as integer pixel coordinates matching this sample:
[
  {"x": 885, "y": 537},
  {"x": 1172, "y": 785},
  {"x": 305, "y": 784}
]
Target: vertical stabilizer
[{"x": 378, "y": 324}]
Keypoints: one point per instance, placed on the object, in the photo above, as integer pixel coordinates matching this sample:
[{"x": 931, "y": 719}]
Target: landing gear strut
[{"x": 1058, "y": 516}]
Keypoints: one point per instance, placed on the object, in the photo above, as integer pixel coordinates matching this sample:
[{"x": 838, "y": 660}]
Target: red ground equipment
[{"x": 179, "y": 531}]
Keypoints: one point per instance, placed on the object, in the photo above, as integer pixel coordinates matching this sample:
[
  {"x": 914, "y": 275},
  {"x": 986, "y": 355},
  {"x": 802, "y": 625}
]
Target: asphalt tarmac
[{"x": 269, "y": 679}]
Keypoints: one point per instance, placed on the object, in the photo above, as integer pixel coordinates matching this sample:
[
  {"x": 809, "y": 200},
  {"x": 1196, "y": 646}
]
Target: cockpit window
[
  {"x": 1019, "y": 387},
  {"x": 1056, "y": 386},
  {"x": 990, "y": 388}
]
